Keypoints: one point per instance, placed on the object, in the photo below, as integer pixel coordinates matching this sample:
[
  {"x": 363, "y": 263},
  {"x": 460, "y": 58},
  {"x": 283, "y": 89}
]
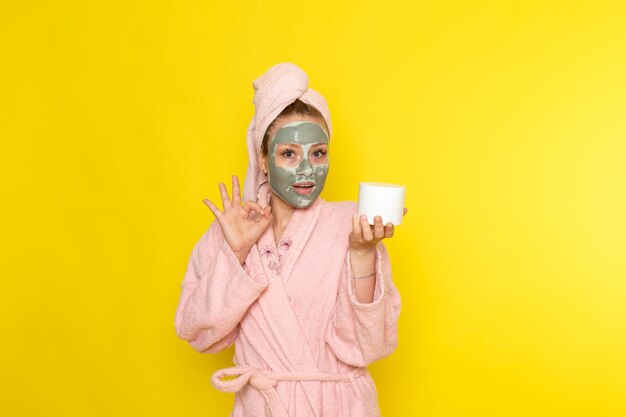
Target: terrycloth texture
[
  {"x": 302, "y": 339},
  {"x": 277, "y": 88},
  {"x": 266, "y": 381}
]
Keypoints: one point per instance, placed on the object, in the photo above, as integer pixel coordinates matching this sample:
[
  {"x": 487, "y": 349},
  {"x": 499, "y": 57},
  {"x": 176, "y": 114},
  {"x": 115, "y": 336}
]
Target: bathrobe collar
[
  {"x": 278, "y": 263},
  {"x": 279, "y": 260}
]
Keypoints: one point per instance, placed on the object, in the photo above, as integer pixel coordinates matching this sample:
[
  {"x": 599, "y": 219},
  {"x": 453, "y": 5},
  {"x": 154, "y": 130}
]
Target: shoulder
[
  {"x": 342, "y": 206},
  {"x": 339, "y": 210},
  {"x": 211, "y": 239},
  {"x": 335, "y": 221}
]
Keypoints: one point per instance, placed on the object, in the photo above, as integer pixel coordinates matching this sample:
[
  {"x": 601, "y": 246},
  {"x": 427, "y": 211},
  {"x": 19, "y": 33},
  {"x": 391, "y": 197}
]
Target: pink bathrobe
[{"x": 302, "y": 340}]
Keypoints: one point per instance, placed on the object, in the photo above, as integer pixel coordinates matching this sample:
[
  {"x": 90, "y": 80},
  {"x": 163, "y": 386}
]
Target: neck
[{"x": 281, "y": 213}]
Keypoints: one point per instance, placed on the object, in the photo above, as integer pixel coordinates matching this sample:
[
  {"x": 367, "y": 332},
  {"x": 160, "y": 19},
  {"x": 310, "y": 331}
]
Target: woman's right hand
[{"x": 241, "y": 225}]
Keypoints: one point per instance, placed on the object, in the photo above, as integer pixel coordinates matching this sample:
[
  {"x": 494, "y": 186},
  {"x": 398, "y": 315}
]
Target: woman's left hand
[{"x": 364, "y": 236}]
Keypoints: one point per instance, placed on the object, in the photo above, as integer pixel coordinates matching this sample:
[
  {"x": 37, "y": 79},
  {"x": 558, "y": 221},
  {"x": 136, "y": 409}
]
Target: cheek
[
  {"x": 321, "y": 170},
  {"x": 282, "y": 173},
  {"x": 282, "y": 162}
]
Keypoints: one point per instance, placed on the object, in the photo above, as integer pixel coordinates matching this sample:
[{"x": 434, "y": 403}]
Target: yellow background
[{"x": 505, "y": 120}]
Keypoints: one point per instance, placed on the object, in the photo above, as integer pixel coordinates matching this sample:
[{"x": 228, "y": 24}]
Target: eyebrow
[{"x": 299, "y": 144}]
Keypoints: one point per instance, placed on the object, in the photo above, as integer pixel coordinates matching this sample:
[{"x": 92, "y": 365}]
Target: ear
[{"x": 263, "y": 163}]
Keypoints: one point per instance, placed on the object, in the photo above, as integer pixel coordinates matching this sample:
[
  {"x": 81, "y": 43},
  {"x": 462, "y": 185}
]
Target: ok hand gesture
[{"x": 241, "y": 225}]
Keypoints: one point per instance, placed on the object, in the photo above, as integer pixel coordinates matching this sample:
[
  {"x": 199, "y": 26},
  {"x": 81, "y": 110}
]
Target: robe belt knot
[
  {"x": 261, "y": 381},
  {"x": 265, "y": 382}
]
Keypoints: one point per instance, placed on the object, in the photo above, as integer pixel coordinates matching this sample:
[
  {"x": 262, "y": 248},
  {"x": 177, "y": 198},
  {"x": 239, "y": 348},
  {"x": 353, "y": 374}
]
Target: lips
[{"x": 304, "y": 188}]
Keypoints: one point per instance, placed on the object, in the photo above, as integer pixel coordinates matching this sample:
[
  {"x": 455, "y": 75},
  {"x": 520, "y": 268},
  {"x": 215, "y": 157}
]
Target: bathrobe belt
[{"x": 265, "y": 381}]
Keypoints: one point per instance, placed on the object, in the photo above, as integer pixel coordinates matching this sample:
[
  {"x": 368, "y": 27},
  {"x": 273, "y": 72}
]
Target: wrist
[
  {"x": 363, "y": 263},
  {"x": 370, "y": 275},
  {"x": 363, "y": 253}
]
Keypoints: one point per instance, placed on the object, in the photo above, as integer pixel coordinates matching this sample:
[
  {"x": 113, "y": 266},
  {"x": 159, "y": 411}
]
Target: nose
[{"x": 305, "y": 168}]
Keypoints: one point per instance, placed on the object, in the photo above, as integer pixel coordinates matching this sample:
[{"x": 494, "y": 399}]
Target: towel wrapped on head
[{"x": 277, "y": 88}]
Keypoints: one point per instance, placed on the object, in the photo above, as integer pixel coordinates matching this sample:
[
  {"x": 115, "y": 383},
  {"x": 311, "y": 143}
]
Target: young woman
[{"x": 301, "y": 286}]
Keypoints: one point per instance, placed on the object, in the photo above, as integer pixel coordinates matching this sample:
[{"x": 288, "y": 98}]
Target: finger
[
  {"x": 379, "y": 229},
  {"x": 356, "y": 227},
  {"x": 225, "y": 198},
  {"x": 252, "y": 206},
  {"x": 405, "y": 211},
  {"x": 365, "y": 229},
  {"x": 236, "y": 192},
  {"x": 216, "y": 211},
  {"x": 389, "y": 229},
  {"x": 267, "y": 215}
]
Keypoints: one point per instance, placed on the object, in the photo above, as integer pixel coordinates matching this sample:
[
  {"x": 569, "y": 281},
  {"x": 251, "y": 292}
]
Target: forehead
[{"x": 301, "y": 132}]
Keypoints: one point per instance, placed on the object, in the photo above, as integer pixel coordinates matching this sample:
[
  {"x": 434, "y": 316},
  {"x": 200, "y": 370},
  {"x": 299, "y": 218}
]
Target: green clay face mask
[{"x": 298, "y": 162}]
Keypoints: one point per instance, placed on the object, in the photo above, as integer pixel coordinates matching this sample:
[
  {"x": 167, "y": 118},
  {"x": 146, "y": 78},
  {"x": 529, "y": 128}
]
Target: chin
[{"x": 309, "y": 204}]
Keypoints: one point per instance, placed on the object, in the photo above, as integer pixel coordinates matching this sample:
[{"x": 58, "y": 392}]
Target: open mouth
[{"x": 304, "y": 188}]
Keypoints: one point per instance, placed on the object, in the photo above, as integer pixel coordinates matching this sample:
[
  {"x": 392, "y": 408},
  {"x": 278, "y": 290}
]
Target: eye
[
  {"x": 319, "y": 153},
  {"x": 288, "y": 153}
]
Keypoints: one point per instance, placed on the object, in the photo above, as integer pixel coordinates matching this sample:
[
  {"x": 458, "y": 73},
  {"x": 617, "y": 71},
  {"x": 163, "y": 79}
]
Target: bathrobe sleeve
[
  {"x": 361, "y": 333},
  {"x": 215, "y": 293}
]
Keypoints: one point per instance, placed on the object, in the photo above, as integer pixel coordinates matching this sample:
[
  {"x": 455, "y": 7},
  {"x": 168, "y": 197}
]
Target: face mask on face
[{"x": 298, "y": 162}]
